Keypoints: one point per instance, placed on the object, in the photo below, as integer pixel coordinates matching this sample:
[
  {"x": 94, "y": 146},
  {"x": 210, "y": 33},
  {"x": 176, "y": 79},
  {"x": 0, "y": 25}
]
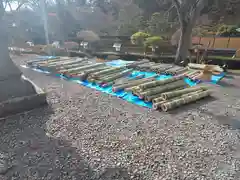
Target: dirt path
[{"x": 85, "y": 134}]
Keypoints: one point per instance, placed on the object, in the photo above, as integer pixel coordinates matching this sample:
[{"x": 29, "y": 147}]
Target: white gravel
[{"x": 85, "y": 134}]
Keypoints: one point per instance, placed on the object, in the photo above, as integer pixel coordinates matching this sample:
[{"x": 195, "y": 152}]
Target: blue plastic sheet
[{"x": 125, "y": 95}]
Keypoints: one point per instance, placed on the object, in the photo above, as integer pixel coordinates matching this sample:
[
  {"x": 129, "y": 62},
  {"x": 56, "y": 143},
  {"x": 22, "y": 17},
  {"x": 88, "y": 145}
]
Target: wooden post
[
  {"x": 228, "y": 41},
  {"x": 214, "y": 39}
]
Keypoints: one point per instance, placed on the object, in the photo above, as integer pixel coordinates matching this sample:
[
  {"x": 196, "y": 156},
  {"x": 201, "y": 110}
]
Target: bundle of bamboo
[
  {"x": 116, "y": 76},
  {"x": 145, "y": 67},
  {"x": 127, "y": 80},
  {"x": 81, "y": 68},
  {"x": 186, "y": 99},
  {"x": 161, "y": 68},
  {"x": 173, "y": 70},
  {"x": 67, "y": 62},
  {"x": 155, "y": 83},
  {"x": 129, "y": 86},
  {"x": 42, "y": 60},
  {"x": 107, "y": 71},
  {"x": 172, "y": 94},
  {"x": 83, "y": 75},
  {"x": 172, "y": 99},
  {"x": 136, "y": 63},
  {"x": 160, "y": 89}
]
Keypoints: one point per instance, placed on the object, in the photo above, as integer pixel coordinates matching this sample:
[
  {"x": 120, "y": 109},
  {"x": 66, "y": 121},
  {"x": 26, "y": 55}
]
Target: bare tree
[{"x": 188, "y": 11}]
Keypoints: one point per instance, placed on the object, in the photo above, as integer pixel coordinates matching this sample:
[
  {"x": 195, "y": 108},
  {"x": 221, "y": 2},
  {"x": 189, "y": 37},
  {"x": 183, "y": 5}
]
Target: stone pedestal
[{"x": 17, "y": 93}]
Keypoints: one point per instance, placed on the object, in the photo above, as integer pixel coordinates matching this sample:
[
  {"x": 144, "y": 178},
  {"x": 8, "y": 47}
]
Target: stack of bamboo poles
[
  {"x": 61, "y": 64},
  {"x": 174, "y": 99},
  {"x": 131, "y": 84},
  {"x": 159, "y": 68},
  {"x": 33, "y": 63},
  {"x": 147, "y": 91},
  {"x": 85, "y": 70},
  {"x": 137, "y": 63},
  {"x": 164, "y": 94},
  {"x": 145, "y": 66},
  {"x": 108, "y": 76}
]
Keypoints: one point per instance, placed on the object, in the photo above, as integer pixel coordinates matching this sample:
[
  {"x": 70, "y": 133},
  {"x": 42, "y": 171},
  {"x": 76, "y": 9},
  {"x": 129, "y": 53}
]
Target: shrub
[
  {"x": 153, "y": 41},
  {"x": 139, "y": 38},
  {"x": 88, "y": 36},
  {"x": 227, "y": 30}
]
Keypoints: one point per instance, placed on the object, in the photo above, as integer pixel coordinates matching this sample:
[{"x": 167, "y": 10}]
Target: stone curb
[{"x": 25, "y": 103}]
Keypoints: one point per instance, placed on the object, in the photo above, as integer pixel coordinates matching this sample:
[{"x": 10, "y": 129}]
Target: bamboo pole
[
  {"x": 128, "y": 86},
  {"x": 171, "y": 94},
  {"x": 184, "y": 100},
  {"x": 82, "y": 68},
  {"x": 136, "y": 63},
  {"x": 156, "y": 83},
  {"x": 160, "y": 101},
  {"x": 69, "y": 62},
  {"x": 110, "y": 70},
  {"x": 116, "y": 76},
  {"x": 165, "y": 88}
]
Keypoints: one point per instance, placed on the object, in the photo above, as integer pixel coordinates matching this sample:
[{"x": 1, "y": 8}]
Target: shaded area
[
  {"x": 226, "y": 120},
  {"x": 28, "y": 150}
]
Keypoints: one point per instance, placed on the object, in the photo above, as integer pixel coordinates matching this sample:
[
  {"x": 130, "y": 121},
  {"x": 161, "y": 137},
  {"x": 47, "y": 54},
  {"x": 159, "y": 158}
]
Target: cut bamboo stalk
[
  {"x": 112, "y": 69},
  {"x": 159, "y": 102},
  {"x": 127, "y": 80},
  {"x": 82, "y": 68},
  {"x": 156, "y": 83},
  {"x": 128, "y": 86},
  {"x": 171, "y": 94},
  {"x": 181, "y": 71},
  {"x": 136, "y": 63},
  {"x": 160, "y": 89},
  {"x": 74, "y": 65},
  {"x": 41, "y": 60},
  {"x": 58, "y": 62},
  {"x": 150, "y": 98},
  {"x": 192, "y": 73},
  {"x": 184, "y": 100},
  {"x": 67, "y": 63},
  {"x": 108, "y": 74},
  {"x": 50, "y": 60},
  {"x": 85, "y": 74},
  {"x": 158, "y": 99},
  {"x": 117, "y": 76}
]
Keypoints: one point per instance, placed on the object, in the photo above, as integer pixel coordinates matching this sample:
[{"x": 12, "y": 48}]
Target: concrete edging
[{"x": 25, "y": 103}]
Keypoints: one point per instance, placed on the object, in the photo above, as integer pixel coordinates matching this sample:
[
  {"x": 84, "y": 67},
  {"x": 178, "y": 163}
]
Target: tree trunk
[
  {"x": 184, "y": 43},
  {"x": 11, "y": 82}
]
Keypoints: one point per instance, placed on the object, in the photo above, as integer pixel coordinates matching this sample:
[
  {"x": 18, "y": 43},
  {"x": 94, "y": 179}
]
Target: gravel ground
[{"x": 87, "y": 135}]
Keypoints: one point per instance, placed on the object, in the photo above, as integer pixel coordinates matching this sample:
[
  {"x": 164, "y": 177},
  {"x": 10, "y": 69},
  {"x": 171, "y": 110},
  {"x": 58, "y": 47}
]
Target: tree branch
[
  {"x": 9, "y": 4},
  {"x": 5, "y": 5},
  {"x": 196, "y": 9},
  {"x": 20, "y": 5},
  {"x": 181, "y": 11},
  {"x": 177, "y": 4}
]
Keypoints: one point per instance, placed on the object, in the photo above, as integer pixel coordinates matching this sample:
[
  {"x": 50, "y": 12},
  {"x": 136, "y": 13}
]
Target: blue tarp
[{"x": 125, "y": 95}]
